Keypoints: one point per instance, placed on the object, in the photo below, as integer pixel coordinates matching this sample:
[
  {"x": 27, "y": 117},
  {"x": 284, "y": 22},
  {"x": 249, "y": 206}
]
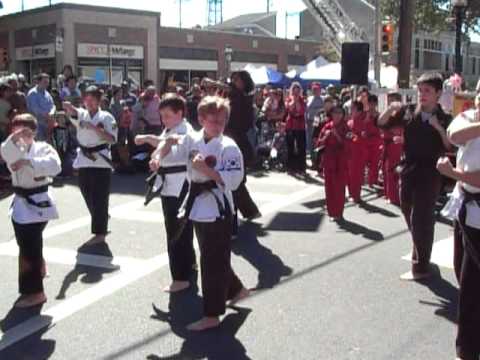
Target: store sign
[
  {"x": 46, "y": 51},
  {"x": 117, "y": 51}
]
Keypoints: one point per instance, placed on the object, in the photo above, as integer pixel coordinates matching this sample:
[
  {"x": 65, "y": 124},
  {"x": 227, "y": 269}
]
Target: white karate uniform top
[
  {"x": 229, "y": 164},
  {"x": 468, "y": 160},
  {"x": 178, "y": 156},
  {"x": 45, "y": 165},
  {"x": 89, "y": 138}
]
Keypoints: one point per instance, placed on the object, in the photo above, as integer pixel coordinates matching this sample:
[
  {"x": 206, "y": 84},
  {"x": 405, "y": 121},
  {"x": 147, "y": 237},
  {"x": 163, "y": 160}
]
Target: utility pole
[
  {"x": 407, "y": 12},
  {"x": 180, "y": 13},
  {"x": 377, "y": 48}
]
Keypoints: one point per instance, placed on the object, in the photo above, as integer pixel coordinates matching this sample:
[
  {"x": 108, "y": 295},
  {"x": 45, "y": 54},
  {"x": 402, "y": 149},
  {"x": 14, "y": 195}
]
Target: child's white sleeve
[
  {"x": 46, "y": 163},
  {"x": 231, "y": 170},
  {"x": 10, "y": 152}
]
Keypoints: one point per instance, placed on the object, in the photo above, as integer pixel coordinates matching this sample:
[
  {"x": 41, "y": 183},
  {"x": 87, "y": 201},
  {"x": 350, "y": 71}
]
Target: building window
[
  {"x": 474, "y": 66},
  {"x": 417, "y": 59},
  {"x": 447, "y": 62}
]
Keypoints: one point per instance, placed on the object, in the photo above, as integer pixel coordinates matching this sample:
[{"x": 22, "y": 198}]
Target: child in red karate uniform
[
  {"x": 393, "y": 149},
  {"x": 358, "y": 151},
  {"x": 374, "y": 141},
  {"x": 335, "y": 161}
]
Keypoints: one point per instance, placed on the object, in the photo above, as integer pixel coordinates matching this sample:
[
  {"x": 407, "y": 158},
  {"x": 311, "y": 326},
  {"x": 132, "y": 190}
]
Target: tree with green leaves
[{"x": 434, "y": 15}]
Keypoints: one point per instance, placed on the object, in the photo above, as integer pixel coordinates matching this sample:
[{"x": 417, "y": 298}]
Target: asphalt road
[{"x": 322, "y": 290}]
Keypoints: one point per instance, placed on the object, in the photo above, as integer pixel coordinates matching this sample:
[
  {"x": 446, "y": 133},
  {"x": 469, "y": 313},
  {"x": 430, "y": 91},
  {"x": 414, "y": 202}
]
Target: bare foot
[
  {"x": 204, "y": 324},
  {"x": 415, "y": 276},
  {"x": 177, "y": 286},
  {"x": 97, "y": 239},
  {"x": 31, "y": 300},
  {"x": 244, "y": 293}
]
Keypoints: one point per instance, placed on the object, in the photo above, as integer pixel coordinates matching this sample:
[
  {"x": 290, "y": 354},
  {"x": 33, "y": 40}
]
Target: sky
[{"x": 194, "y": 12}]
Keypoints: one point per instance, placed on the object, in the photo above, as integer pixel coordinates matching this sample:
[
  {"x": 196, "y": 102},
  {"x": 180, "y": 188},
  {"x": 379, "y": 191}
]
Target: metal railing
[{"x": 335, "y": 22}]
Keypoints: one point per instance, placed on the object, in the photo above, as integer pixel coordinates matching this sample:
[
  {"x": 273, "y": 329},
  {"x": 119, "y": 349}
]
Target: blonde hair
[
  {"x": 214, "y": 105},
  {"x": 26, "y": 120}
]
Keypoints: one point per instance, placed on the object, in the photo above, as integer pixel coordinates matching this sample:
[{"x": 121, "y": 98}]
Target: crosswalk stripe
[
  {"x": 442, "y": 253},
  {"x": 73, "y": 257},
  {"x": 112, "y": 284}
]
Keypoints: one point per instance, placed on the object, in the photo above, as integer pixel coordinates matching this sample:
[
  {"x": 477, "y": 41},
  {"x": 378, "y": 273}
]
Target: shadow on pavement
[
  {"x": 216, "y": 344},
  {"x": 33, "y": 347},
  {"x": 357, "y": 229},
  {"x": 195, "y": 307},
  {"x": 372, "y": 209},
  {"x": 447, "y": 295},
  {"x": 294, "y": 221},
  {"x": 270, "y": 266},
  {"x": 90, "y": 274}
]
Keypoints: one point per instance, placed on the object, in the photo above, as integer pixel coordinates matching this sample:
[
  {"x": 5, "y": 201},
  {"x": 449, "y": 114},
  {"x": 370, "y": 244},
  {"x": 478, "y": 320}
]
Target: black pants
[
  {"x": 468, "y": 336},
  {"x": 95, "y": 187},
  {"x": 30, "y": 241},
  {"x": 219, "y": 282},
  {"x": 243, "y": 201},
  {"x": 180, "y": 252},
  {"x": 296, "y": 147},
  {"x": 419, "y": 191}
]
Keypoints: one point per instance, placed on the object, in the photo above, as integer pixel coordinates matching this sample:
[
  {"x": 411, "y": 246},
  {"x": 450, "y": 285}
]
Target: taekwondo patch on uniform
[{"x": 232, "y": 164}]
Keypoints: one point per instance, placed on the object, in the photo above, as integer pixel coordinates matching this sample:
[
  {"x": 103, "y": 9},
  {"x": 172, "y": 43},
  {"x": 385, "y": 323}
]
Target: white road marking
[
  {"x": 72, "y": 257},
  {"x": 109, "y": 286},
  {"x": 442, "y": 253}
]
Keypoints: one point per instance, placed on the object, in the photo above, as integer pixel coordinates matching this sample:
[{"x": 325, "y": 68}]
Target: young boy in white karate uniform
[
  {"x": 215, "y": 170},
  {"x": 96, "y": 132},
  {"x": 32, "y": 164},
  {"x": 170, "y": 181}
]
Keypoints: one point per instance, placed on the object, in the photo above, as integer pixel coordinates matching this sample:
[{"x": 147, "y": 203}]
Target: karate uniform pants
[
  {"x": 180, "y": 252},
  {"x": 30, "y": 241},
  {"x": 219, "y": 282},
  {"x": 336, "y": 177},
  {"x": 356, "y": 171},
  {"x": 468, "y": 335},
  {"x": 297, "y": 153},
  {"x": 374, "y": 155},
  {"x": 243, "y": 201},
  {"x": 391, "y": 178},
  {"x": 419, "y": 191},
  {"x": 95, "y": 187}
]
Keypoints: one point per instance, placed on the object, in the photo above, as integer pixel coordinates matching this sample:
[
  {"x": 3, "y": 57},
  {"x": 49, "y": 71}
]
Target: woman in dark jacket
[{"x": 242, "y": 118}]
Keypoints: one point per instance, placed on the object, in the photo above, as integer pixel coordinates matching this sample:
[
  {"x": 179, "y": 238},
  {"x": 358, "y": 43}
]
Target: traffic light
[
  {"x": 3, "y": 59},
  {"x": 388, "y": 33}
]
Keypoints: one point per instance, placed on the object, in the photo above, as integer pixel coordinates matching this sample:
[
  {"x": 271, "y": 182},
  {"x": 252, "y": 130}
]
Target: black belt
[
  {"x": 162, "y": 172},
  {"x": 89, "y": 152},
  {"x": 27, "y": 193},
  {"x": 196, "y": 189},
  {"x": 467, "y": 241}
]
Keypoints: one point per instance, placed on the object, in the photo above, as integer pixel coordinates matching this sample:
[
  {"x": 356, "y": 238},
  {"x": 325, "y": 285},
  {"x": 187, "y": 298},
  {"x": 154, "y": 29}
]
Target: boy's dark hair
[
  {"x": 395, "y": 96},
  {"x": 42, "y": 76},
  {"x": 95, "y": 92},
  {"x": 328, "y": 98},
  {"x": 373, "y": 99},
  {"x": 363, "y": 89},
  {"x": 26, "y": 120},
  {"x": 358, "y": 105},
  {"x": 173, "y": 101},
  {"x": 336, "y": 108},
  {"x": 72, "y": 77},
  {"x": 435, "y": 80}
]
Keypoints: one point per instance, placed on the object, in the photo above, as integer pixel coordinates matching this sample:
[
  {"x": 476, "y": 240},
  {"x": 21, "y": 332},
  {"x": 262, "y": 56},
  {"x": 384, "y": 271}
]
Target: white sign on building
[
  {"x": 117, "y": 51},
  {"x": 45, "y": 51}
]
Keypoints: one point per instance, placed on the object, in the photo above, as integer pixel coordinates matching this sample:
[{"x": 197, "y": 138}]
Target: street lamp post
[
  {"x": 459, "y": 7},
  {"x": 228, "y": 59}
]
